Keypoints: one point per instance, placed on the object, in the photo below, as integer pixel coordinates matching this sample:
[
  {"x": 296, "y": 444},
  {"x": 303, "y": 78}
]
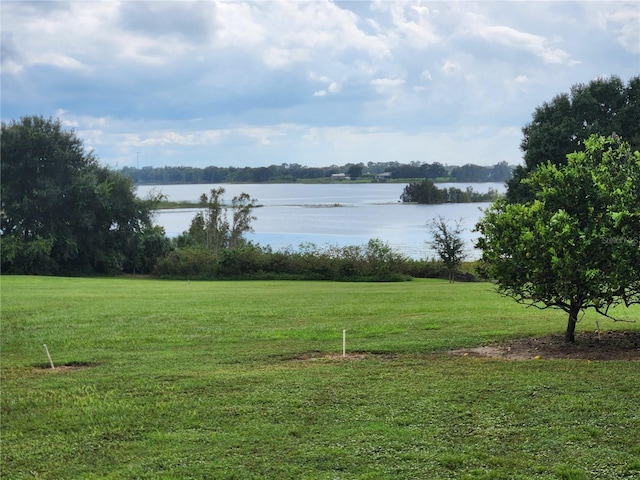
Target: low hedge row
[{"x": 375, "y": 261}]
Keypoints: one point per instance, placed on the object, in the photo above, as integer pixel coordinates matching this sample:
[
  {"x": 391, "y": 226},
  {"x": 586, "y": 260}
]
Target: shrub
[{"x": 374, "y": 262}]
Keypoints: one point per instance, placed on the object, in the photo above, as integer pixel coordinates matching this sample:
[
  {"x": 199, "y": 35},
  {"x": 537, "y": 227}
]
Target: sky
[{"x": 317, "y": 83}]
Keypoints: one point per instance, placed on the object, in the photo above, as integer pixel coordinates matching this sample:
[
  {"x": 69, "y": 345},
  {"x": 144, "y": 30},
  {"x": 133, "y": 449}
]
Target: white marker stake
[
  {"x": 48, "y": 355},
  {"x": 344, "y": 343}
]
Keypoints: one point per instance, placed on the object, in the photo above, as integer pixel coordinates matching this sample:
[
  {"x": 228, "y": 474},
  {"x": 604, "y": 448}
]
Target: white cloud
[
  {"x": 426, "y": 75},
  {"x": 173, "y": 138},
  {"x": 60, "y": 61},
  {"x": 534, "y": 44},
  {"x": 387, "y": 82},
  {"x": 237, "y": 25},
  {"x": 625, "y": 22},
  {"x": 333, "y": 87},
  {"x": 265, "y": 135},
  {"x": 280, "y": 58},
  {"x": 318, "y": 78},
  {"x": 303, "y": 31},
  {"x": 390, "y": 87},
  {"x": 412, "y": 23},
  {"x": 278, "y": 81},
  {"x": 450, "y": 67}
]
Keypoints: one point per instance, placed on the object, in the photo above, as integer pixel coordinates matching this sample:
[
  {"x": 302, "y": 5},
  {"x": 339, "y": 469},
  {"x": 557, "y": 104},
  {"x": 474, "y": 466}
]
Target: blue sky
[{"x": 198, "y": 83}]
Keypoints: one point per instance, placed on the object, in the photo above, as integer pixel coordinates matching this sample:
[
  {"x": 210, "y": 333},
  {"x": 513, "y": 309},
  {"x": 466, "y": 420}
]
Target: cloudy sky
[{"x": 154, "y": 83}]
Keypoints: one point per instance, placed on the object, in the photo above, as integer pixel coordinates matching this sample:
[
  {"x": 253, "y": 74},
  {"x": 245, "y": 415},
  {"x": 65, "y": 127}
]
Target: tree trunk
[{"x": 569, "y": 336}]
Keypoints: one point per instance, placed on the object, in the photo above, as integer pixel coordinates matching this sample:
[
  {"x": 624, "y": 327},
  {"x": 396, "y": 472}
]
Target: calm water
[{"x": 331, "y": 214}]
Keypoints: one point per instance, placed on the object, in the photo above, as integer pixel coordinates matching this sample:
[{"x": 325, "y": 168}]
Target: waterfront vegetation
[
  {"x": 373, "y": 262},
  {"x": 184, "y": 379}
]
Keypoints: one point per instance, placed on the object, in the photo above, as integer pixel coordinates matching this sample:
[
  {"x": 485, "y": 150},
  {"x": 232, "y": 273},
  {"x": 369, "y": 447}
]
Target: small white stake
[
  {"x": 344, "y": 343},
  {"x": 48, "y": 355}
]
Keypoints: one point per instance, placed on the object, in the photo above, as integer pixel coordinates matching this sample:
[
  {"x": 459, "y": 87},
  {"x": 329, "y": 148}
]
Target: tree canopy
[
  {"x": 605, "y": 106},
  {"x": 576, "y": 244},
  {"x": 62, "y": 212}
]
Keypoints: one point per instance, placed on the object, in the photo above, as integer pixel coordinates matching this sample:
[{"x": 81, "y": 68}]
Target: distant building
[
  {"x": 338, "y": 176},
  {"x": 383, "y": 177}
]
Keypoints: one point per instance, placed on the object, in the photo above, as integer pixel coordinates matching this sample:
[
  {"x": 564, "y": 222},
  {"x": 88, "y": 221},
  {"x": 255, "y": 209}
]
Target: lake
[{"x": 331, "y": 214}]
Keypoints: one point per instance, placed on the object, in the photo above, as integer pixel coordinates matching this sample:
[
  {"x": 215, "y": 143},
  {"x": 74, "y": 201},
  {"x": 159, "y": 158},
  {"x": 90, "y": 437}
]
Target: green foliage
[
  {"x": 293, "y": 172},
  {"x": 601, "y": 107},
  {"x": 355, "y": 171},
  {"x": 193, "y": 380},
  {"x": 447, "y": 241},
  {"x": 63, "y": 213},
  {"x": 189, "y": 263},
  {"x": 33, "y": 256},
  {"x": 374, "y": 262},
  {"x": 577, "y": 244},
  {"x": 426, "y": 192},
  {"x": 212, "y": 230},
  {"x": 152, "y": 245}
]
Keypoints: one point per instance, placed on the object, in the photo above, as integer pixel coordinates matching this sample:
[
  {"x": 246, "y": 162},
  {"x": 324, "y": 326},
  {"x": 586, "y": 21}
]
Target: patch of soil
[
  {"x": 588, "y": 346},
  {"x": 314, "y": 356},
  {"x": 69, "y": 367}
]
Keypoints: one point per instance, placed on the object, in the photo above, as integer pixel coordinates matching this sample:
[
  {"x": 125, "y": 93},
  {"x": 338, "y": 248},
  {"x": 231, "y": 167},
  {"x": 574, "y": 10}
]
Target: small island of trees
[{"x": 427, "y": 192}]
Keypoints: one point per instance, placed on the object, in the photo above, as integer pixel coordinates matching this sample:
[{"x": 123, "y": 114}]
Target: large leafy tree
[
  {"x": 62, "y": 212},
  {"x": 576, "y": 245},
  {"x": 605, "y": 106}
]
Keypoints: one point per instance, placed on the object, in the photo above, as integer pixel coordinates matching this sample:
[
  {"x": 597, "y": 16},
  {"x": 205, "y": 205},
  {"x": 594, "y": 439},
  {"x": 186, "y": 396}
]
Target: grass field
[{"x": 245, "y": 380}]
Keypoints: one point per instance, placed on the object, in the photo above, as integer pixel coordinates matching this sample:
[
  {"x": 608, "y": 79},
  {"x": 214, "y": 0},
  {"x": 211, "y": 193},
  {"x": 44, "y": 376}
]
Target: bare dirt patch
[
  {"x": 69, "y": 367},
  {"x": 588, "y": 346},
  {"x": 314, "y": 356}
]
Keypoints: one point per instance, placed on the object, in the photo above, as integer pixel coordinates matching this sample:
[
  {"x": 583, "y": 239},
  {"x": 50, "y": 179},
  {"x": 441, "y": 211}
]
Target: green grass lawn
[{"x": 223, "y": 380}]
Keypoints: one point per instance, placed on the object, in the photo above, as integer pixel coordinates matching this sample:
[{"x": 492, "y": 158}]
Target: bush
[
  {"x": 374, "y": 262},
  {"x": 188, "y": 263}
]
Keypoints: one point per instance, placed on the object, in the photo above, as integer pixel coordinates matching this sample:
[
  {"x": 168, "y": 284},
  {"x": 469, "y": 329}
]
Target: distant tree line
[{"x": 293, "y": 172}]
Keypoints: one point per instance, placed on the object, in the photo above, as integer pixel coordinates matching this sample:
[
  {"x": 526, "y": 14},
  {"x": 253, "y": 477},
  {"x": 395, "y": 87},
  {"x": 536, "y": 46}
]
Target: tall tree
[
  {"x": 576, "y": 245},
  {"x": 446, "y": 240},
  {"x": 241, "y": 217},
  {"x": 62, "y": 212},
  {"x": 604, "y": 106},
  {"x": 211, "y": 228}
]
